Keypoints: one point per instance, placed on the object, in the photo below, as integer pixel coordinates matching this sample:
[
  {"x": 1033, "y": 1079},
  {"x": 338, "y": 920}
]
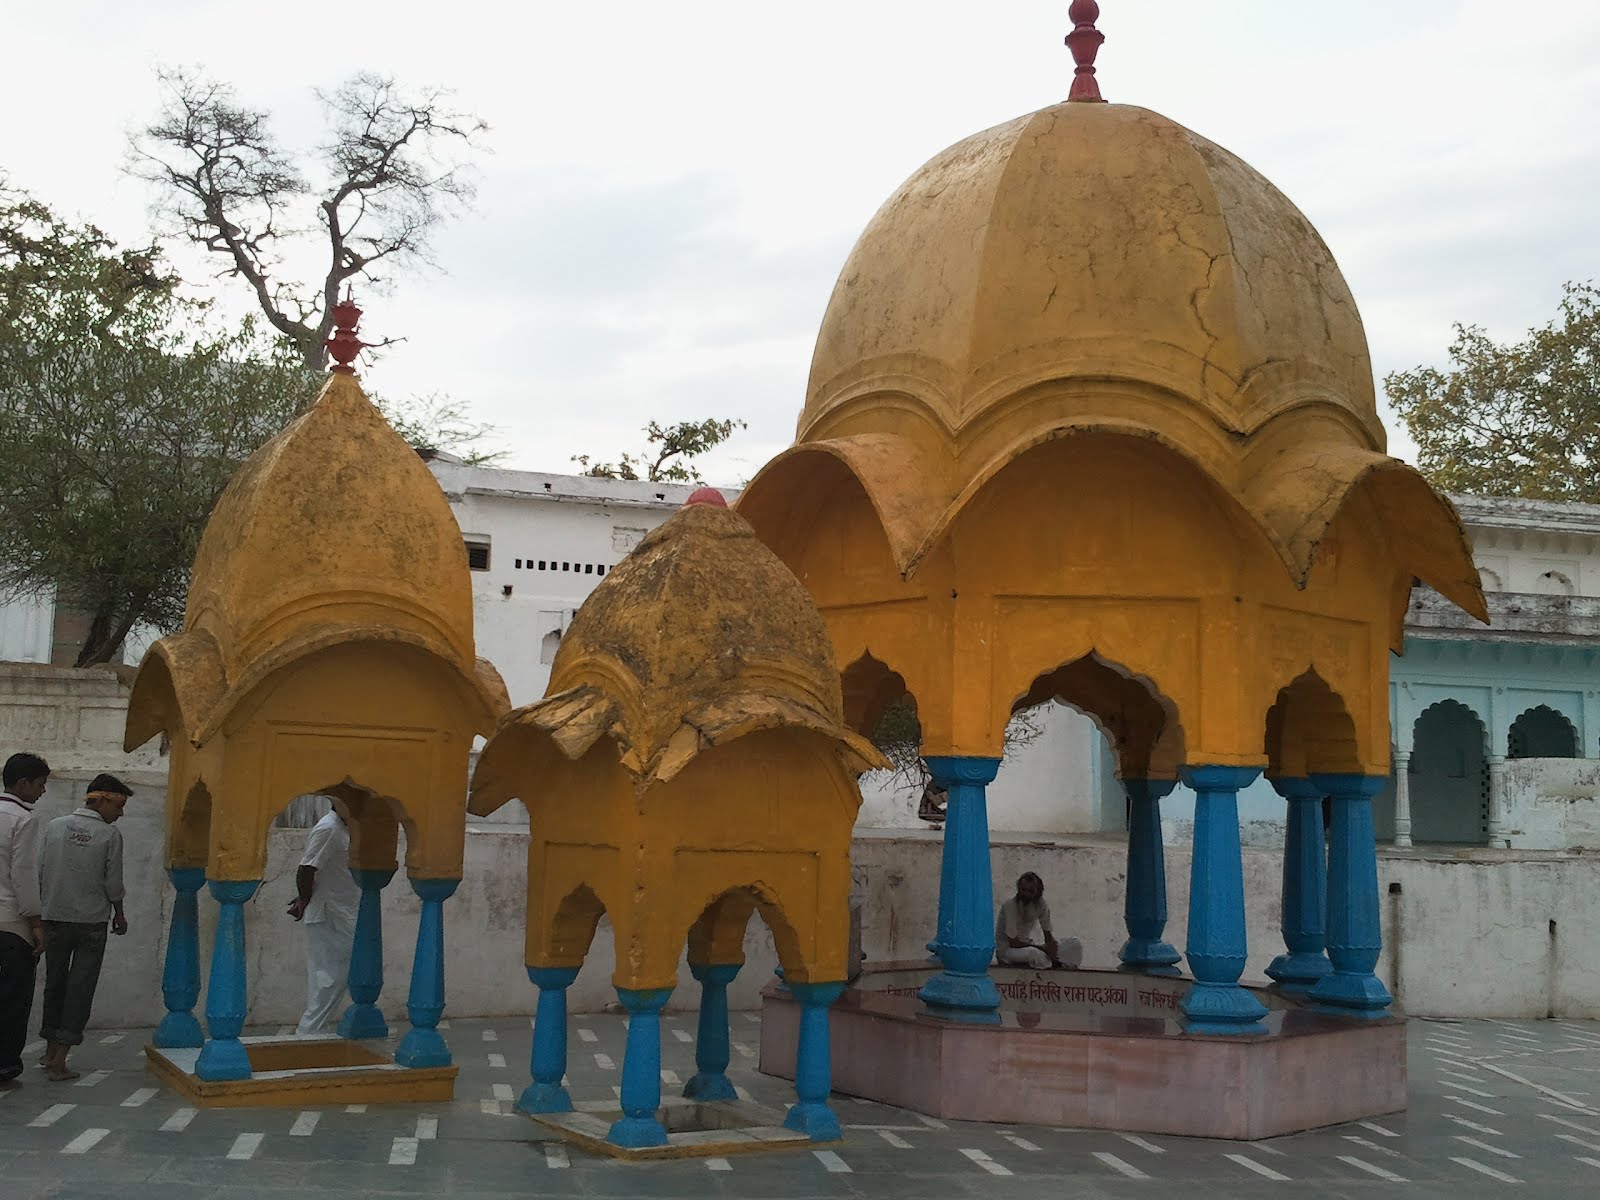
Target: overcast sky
[{"x": 674, "y": 187}]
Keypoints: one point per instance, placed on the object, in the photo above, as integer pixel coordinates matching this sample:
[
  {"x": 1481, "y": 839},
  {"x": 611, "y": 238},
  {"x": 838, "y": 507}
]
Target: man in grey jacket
[{"x": 80, "y": 889}]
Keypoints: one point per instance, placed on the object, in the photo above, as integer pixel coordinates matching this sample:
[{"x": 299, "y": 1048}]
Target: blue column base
[
  {"x": 363, "y": 1021},
  {"x": 1299, "y": 972},
  {"x": 1221, "y": 1008},
  {"x": 544, "y": 1098},
  {"x": 1364, "y": 993},
  {"x": 423, "y": 1048},
  {"x": 1144, "y": 954},
  {"x": 222, "y": 1060},
  {"x": 965, "y": 993},
  {"x": 816, "y": 1121},
  {"x": 709, "y": 1086},
  {"x": 637, "y": 1133},
  {"x": 179, "y": 1030}
]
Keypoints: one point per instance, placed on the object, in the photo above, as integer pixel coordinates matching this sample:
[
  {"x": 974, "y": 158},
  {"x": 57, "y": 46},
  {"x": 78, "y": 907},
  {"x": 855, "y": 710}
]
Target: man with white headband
[{"x": 80, "y": 890}]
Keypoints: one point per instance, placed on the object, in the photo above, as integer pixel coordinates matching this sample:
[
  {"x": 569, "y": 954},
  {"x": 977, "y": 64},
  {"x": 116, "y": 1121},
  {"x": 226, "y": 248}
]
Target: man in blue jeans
[{"x": 80, "y": 889}]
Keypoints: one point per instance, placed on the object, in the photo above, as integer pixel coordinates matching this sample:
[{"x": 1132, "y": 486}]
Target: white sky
[{"x": 673, "y": 187}]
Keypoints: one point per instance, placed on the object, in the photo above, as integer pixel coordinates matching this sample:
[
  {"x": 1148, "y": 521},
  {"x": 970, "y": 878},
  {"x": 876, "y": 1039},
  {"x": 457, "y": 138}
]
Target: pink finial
[
  {"x": 344, "y": 345},
  {"x": 1084, "y": 42},
  {"x": 706, "y": 495}
]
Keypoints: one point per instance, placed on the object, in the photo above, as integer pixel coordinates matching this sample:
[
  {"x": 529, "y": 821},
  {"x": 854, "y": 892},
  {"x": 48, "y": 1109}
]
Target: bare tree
[{"x": 394, "y": 166}]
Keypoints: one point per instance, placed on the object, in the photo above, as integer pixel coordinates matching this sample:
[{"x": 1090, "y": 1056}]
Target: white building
[{"x": 539, "y": 543}]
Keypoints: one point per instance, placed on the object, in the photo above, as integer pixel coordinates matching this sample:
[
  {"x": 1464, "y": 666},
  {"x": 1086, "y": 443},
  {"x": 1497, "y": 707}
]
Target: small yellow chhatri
[
  {"x": 689, "y": 764},
  {"x": 327, "y": 647}
]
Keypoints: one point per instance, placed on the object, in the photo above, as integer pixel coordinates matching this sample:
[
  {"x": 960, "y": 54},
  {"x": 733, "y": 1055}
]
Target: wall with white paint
[{"x": 1501, "y": 935}]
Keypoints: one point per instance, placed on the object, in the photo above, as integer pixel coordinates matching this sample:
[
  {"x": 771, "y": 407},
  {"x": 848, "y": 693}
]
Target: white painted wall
[
  {"x": 576, "y": 526},
  {"x": 27, "y": 627},
  {"x": 1462, "y": 936}
]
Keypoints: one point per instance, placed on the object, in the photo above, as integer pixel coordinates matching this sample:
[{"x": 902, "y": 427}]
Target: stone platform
[
  {"x": 695, "y": 1129},
  {"x": 304, "y": 1073},
  {"x": 1099, "y": 1050}
]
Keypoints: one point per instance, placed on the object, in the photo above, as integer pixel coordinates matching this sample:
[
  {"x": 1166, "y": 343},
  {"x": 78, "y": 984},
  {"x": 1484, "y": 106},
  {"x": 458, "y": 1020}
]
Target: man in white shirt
[
  {"x": 21, "y": 923},
  {"x": 327, "y": 901},
  {"x": 1023, "y": 936}
]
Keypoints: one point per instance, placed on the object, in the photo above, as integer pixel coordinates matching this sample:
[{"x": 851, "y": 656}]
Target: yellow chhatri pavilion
[
  {"x": 689, "y": 765},
  {"x": 1091, "y": 416},
  {"x": 327, "y": 647}
]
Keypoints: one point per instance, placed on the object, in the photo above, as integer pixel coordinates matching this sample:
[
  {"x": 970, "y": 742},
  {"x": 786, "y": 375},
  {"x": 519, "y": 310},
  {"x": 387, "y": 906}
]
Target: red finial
[
  {"x": 706, "y": 495},
  {"x": 344, "y": 345},
  {"x": 1084, "y": 42}
]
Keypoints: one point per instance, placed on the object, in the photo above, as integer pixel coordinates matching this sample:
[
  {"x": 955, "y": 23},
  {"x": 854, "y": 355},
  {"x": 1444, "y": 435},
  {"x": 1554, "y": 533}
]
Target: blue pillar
[
  {"x": 1354, "y": 933},
  {"x": 180, "y": 977},
  {"x": 965, "y": 940},
  {"x": 223, "y": 1056},
  {"x": 362, "y": 1019},
  {"x": 1305, "y": 889},
  {"x": 422, "y": 1046},
  {"x": 710, "y": 1080},
  {"x": 548, "y": 1062},
  {"x": 1216, "y": 950},
  {"x": 813, "y": 1063},
  {"x": 641, "y": 1071},
  {"x": 1144, "y": 902}
]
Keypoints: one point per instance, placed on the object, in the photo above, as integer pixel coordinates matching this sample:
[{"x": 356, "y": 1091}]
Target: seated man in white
[{"x": 1021, "y": 922}]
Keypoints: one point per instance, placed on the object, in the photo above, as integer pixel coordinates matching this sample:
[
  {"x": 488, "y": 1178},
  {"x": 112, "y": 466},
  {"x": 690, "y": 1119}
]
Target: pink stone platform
[{"x": 1099, "y": 1050}]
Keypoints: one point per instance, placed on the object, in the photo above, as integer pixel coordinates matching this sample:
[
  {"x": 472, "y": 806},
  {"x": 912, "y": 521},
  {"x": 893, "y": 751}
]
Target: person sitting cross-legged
[{"x": 1023, "y": 936}]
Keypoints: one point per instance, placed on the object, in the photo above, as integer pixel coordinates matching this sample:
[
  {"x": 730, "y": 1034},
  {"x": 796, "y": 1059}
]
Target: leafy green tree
[
  {"x": 670, "y": 453},
  {"x": 123, "y": 413},
  {"x": 393, "y": 167},
  {"x": 1521, "y": 419}
]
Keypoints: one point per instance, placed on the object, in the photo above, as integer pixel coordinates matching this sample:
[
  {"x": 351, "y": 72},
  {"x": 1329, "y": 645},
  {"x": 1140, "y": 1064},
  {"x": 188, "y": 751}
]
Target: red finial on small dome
[
  {"x": 706, "y": 495},
  {"x": 344, "y": 345},
  {"x": 1084, "y": 42}
]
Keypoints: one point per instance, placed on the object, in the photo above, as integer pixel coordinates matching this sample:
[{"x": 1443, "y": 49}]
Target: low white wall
[
  {"x": 72, "y": 716},
  {"x": 1484, "y": 933},
  {"x": 1467, "y": 937},
  {"x": 1552, "y": 803}
]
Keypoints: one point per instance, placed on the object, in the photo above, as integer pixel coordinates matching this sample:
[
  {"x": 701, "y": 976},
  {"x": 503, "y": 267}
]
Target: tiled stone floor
[{"x": 1496, "y": 1106}]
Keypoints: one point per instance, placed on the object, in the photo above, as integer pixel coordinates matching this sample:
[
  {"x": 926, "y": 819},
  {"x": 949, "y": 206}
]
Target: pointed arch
[
  {"x": 1139, "y": 720},
  {"x": 1308, "y": 730},
  {"x": 1449, "y": 775},
  {"x": 1543, "y": 732},
  {"x": 716, "y": 934}
]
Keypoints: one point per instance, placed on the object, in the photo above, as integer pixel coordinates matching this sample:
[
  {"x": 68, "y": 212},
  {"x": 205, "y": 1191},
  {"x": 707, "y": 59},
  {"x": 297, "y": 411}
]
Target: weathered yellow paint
[
  {"x": 689, "y": 765},
  {"x": 327, "y": 647},
  {"x": 1092, "y": 401}
]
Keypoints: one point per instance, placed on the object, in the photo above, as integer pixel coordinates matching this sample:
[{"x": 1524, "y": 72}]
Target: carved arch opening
[
  {"x": 716, "y": 935},
  {"x": 1449, "y": 775},
  {"x": 1140, "y": 721},
  {"x": 570, "y": 928},
  {"x": 1542, "y": 732},
  {"x": 1308, "y": 730}
]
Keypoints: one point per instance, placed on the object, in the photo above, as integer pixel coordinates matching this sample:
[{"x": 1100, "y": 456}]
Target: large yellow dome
[{"x": 1095, "y": 241}]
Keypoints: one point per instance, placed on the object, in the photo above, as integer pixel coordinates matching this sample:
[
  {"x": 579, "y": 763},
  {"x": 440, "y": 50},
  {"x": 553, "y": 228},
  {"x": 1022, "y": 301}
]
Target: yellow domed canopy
[
  {"x": 699, "y": 636},
  {"x": 689, "y": 764},
  {"x": 1088, "y": 357},
  {"x": 327, "y": 646},
  {"x": 1093, "y": 240}
]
